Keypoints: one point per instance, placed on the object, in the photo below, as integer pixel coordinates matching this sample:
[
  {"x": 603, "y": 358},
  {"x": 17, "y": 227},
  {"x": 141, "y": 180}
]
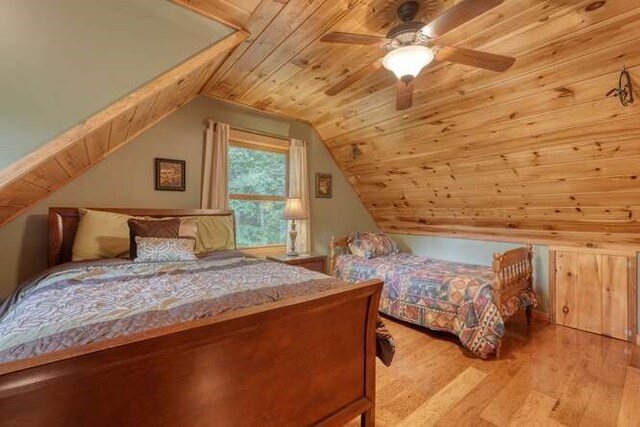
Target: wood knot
[{"x": 595, "y": 5}]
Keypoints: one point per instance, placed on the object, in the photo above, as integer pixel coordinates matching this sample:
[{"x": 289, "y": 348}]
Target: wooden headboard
[{"x": 63, "y": 223}]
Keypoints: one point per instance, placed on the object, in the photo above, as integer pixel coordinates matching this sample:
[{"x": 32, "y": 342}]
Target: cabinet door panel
[
  {"x": 590, "y": 292},
  {"x": 614, "y": 296},
  {"x": 566, "y": 292}
]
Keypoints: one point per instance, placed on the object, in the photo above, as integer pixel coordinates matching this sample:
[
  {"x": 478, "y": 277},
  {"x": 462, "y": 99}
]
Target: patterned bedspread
[
  {"x": 440, "y": 295},
  {"x": 81, "y": 303}
]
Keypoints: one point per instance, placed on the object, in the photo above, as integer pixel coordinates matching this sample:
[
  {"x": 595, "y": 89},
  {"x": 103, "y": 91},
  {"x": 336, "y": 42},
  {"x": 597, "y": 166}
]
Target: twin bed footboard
[{"x": 513, "y": 274}]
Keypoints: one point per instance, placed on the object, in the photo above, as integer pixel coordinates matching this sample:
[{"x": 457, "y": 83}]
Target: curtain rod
[{"x": 257, "y": 132}]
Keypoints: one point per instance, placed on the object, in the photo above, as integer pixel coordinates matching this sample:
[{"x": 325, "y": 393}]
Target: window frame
[{"x": 256, "y": 141}]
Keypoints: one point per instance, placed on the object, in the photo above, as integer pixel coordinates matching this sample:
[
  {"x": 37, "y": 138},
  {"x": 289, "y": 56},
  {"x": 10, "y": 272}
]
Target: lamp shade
[
  {"x": 293, "y": 209},
  {"x": 408, "y": 60}
]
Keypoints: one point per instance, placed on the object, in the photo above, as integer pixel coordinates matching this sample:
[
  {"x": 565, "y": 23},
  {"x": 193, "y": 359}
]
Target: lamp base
[{"x": 292, "y": 253}]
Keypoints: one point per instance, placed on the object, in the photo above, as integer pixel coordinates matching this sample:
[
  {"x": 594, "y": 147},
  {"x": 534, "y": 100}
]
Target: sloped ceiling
[{"x": 537, "y": 153}]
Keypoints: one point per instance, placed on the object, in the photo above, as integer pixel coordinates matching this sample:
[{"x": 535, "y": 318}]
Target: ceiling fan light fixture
[{"x": 408, "y": 60}]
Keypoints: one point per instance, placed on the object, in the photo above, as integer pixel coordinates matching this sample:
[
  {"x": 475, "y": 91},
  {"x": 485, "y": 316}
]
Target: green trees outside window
[{"x": 257, "y": 188}]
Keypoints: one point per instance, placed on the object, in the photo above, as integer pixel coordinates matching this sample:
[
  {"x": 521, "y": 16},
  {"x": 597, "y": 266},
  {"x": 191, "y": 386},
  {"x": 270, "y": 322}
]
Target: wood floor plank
[
  {"x": 607, "y": 391},
  {"x": 535, "y": 382},
  {"x": 535, "y": 411},
  {"x": 436, "y": 407},
  {"x": 630, "y": 409}
]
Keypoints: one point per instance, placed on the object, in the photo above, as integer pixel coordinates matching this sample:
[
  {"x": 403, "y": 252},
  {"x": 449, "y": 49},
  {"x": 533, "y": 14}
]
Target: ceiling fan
[{"x": 411, "y": 46}]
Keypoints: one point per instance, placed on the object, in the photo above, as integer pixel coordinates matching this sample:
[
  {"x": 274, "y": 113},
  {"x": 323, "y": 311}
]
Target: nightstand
[{"x": 313, "y": 262}]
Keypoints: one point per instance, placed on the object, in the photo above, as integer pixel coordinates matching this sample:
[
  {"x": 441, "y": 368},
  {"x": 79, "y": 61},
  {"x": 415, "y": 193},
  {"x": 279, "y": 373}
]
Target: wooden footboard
[
  {"x": 513, "y": 273},
  {"x": 304, "y": 361}
]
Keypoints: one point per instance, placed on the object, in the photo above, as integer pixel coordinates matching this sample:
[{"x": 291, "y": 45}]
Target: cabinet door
[
  {"x": 566, "y": 292},
  {"x": 615, "y": 308},
  {"x": 589, "y": 292}
]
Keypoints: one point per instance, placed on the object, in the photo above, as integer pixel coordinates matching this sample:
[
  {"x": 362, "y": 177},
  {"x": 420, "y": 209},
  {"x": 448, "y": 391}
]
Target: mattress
[{"x": 81, "y": 303}]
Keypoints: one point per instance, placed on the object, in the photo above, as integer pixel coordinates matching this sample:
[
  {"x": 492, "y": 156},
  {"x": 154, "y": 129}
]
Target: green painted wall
[
  {"x": 64, "y": 60},
  {"x": 125, "y": 179}
]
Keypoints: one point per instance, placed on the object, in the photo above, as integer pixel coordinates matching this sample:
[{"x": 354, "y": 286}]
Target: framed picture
[
  {"x": 324, "y": 185},
  {"x": 170, "y": 175}
]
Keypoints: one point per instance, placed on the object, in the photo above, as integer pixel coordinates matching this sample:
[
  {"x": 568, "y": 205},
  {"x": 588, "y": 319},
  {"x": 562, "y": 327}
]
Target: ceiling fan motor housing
[
  {"x": 405, "y": 33},
  {"x": 407, "y": 11}
]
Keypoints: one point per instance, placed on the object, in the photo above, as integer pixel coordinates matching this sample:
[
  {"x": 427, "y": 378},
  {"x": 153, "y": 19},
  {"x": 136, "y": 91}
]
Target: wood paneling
[
  {"x": 537, "y": 153},
  {"x": 234, "y": 14},
  {"x": 594, "y": 291},
  {"x": 58, "y": 162}
]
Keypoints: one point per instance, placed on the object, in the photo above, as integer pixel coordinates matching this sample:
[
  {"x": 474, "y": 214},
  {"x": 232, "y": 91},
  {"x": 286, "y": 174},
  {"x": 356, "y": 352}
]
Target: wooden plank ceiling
[
  {"x": 537, "y": 153},
  {"x": 58, "y": 162}
]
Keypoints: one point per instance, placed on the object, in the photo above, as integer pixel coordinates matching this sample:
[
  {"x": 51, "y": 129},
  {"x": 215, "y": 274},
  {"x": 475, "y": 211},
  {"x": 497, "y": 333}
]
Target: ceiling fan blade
[
  {"x": 362, "y": 72},
  {"x": 352, "y": 38},
  {"x": 474, "y": 58},
  {"x": 404, "y": 95},
  {"x": 457, "y": 15}
]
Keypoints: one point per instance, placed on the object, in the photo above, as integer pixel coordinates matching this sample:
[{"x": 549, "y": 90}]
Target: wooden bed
[
  {"x": 512, "y": 271},
  {"x": 301, "y": 361}
]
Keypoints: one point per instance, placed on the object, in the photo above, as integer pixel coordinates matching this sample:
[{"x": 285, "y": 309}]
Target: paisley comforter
[
  {"x": 81, "y": 303},
  {"x": 440, "y": 295}
]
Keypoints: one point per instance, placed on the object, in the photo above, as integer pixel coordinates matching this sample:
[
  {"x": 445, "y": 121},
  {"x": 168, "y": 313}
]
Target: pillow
[
  {"x": 101, "y": 235},
  {"x": 163, "y": 227},
  {"x": 157, "y": 249},
  {"x": 215, "y": 233},
  {"x": 371, "y": 245}
]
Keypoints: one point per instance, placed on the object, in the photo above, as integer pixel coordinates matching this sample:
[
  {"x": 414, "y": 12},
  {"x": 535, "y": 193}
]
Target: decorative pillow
[
  {"x": 157, "y": 249},
  {"x": 371, "y": 245},
  {"x": 164, "y": 227},
  {"x": 215, "y": 233},
  {"x": 101, "y": 235}
]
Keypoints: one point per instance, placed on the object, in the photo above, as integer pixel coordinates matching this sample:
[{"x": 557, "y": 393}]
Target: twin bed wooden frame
[
  {"x": 512, "y": 272},
  {"x": 302, "y": 361}
]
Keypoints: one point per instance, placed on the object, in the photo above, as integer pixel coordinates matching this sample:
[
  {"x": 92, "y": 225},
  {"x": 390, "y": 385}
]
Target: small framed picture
[
  {"x": 324, "y": 185},
  {"x": 170, "y": 175}
]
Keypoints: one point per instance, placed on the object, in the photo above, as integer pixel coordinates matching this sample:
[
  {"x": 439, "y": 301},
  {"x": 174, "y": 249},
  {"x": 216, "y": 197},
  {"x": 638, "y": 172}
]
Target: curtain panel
[
  {"x": 299, "y": 187},
  {"x": 215, "y": 177}
]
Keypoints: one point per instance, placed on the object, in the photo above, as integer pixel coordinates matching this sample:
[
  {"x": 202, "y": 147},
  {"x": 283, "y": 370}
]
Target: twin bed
[{"x": 470, "y": 301}]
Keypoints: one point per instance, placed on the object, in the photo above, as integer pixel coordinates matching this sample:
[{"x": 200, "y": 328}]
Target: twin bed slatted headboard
[{"x": 63, "y": 223}]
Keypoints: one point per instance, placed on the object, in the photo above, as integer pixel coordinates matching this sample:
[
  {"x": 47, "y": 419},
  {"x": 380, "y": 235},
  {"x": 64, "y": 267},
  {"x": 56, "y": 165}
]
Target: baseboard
[{"x": 541, "y": 315}]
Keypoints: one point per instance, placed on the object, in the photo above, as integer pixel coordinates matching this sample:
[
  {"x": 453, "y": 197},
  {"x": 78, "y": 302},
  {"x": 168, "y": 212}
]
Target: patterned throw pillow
[
  {"x": 158, "y": 249},
  {"x": 371, "y": 245},
  {"x": 165, "y": 227}
]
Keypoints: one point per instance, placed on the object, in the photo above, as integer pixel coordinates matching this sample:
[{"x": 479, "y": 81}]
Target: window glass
[
  {"x": 257, "y": 189},
  {"x": 257, "y": 172},
  {"x": 259, "y": 223}
]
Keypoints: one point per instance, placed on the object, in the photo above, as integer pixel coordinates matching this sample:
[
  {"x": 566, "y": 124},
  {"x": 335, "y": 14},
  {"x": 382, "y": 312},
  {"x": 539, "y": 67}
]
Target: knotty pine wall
[{"x": 537, "y": 153}]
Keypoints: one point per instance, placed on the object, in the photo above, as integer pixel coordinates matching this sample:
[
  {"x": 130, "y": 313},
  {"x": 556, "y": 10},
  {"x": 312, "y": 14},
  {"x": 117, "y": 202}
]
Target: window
[{"x": 257, "y": 188}]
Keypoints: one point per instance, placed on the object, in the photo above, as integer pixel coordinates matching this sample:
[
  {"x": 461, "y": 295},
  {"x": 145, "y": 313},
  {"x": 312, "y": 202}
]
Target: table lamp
[{"x": 293, "y": 210}]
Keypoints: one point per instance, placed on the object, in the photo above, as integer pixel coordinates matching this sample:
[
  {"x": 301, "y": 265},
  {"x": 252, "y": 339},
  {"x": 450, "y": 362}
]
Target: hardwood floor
[{"x": 548, "y": 375}]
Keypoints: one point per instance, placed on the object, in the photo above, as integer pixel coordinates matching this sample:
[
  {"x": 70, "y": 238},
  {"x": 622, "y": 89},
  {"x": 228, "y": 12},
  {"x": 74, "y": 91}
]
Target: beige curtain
[
  {"x": 215, "y": 179},
  {"x": 299, "y": 187}
]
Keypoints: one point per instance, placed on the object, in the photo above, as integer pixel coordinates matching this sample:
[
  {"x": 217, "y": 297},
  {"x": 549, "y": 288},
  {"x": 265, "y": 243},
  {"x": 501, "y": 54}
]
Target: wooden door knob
[{"x": 565, "y": 309}]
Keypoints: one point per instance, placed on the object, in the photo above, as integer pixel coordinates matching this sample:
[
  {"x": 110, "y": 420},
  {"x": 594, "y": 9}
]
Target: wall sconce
[{"x": 624, "y": 91}]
